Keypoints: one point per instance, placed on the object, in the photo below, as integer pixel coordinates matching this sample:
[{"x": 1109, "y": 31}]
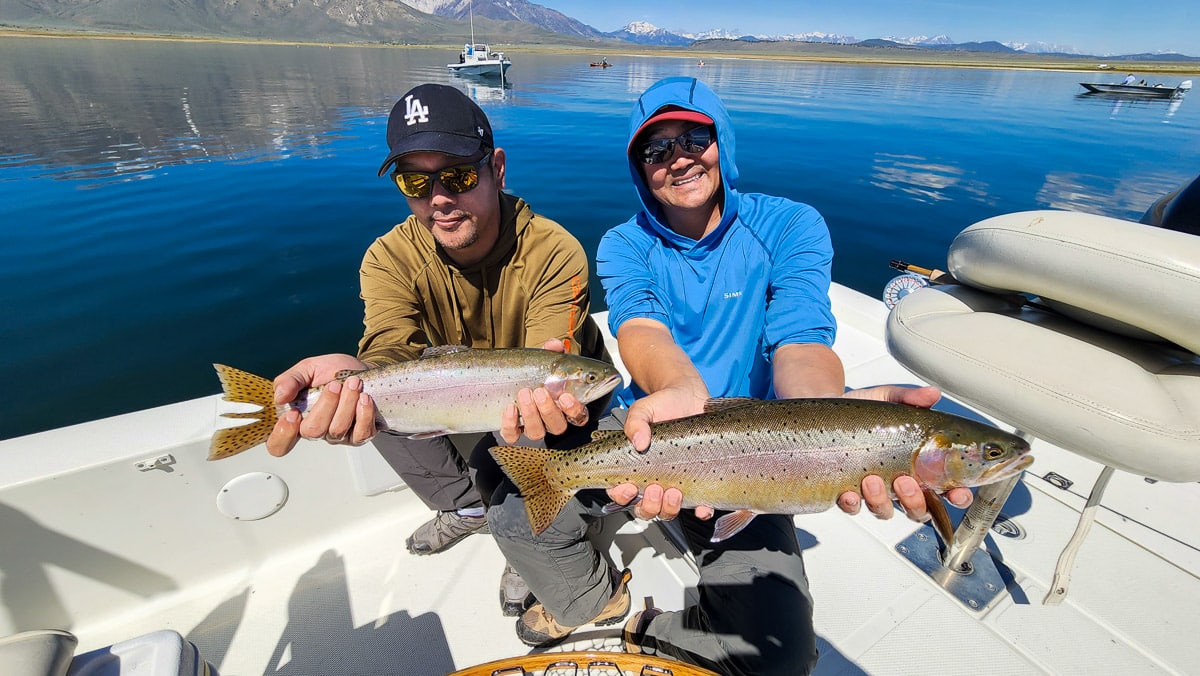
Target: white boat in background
[
  {"x": 120, "y": 535},
  {"x": 477, "y": 58}
]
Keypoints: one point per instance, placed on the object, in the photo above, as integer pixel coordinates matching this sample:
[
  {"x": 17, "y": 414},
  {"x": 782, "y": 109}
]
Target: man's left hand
[
  {"x": 906, "y": 488},
  {"x": 536, "y": 413}
]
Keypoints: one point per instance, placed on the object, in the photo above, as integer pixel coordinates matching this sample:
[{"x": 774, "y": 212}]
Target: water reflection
[
  {"x": 1120, "y": 102},
  {"x": 1101, "y": 195},
  {"x": 482, "y": 90},
  {"x": 924, "y": 180},
  {"x": 157, "y": 104}
]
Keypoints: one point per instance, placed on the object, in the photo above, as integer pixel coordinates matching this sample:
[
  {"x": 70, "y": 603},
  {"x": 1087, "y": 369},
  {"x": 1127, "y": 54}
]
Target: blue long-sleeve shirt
[{"x": 758, "y": 281}]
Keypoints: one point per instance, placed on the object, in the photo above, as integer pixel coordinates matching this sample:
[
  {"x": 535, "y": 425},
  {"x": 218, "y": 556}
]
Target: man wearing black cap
[{"x": 471, "y": 266}]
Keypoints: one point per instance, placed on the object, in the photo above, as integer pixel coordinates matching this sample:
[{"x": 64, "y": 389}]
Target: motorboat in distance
[
  {"x": 1156, "y": 91},
  {"x": 479, "y": 59}
]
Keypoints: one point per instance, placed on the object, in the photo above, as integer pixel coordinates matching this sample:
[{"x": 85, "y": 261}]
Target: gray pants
[
  {"x": 456, "y": 471},
  {"x": 755, "y": 611},
  {"x": 436, "y": 469}
]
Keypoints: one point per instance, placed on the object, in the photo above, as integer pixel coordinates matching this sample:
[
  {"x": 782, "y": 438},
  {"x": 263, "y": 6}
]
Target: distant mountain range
[{"x": 421, "y": 22}]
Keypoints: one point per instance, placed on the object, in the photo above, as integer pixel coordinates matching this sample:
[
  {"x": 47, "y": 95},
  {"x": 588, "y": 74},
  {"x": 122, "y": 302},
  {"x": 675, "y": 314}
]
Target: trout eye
[
  {"x": 591, "y": 378},
  {"x": 992, "y": 451}
]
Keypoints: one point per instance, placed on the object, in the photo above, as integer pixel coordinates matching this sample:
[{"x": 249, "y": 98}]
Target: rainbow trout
[
  {"x": 447, "y": 390},
  {"x": 788, "y": 456}
]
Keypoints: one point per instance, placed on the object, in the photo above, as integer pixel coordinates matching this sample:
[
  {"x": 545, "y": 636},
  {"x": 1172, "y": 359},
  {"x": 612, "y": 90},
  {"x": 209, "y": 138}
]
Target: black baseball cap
[{"x": 436, "y": 118}]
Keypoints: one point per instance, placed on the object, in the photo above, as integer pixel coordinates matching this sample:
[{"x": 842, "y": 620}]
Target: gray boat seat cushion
[
  {"x": 1080, "y": 379},
  {"x": 1119, "y": 275},
  {"x": 43, "y": 652}
]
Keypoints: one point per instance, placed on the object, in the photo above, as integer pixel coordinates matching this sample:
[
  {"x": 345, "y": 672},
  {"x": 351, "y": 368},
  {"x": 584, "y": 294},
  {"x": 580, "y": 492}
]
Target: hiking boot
[
  {"x": 513, "y": 593},
  {"x": 537, "y": 627},
  {"x": 633, "y": 636},
  {"x": 443, "y": 531}
]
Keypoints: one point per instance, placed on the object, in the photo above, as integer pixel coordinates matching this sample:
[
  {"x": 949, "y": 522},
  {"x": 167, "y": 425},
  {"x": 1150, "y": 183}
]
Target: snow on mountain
[
  {"x": 1042, "y": 48},
  {"x": 645, "y": 33},
  {"x": 832, "y": 38},
  {"x": 711, "y": 34},
  {"x": 921, "y": 40},
  {"x": 648, "y": 30},
  {"x": 721, "y": 34},
  {"x": 641, "y": 28}
]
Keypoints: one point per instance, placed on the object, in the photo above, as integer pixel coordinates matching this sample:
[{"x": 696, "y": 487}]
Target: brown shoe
[
  {"x": 537, "y": 627},
  {"x": 633, "y": 636},
  {"x": 443, "y": 531}
]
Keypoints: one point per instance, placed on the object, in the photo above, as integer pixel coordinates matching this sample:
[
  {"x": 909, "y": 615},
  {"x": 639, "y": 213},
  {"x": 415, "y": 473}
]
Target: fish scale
[{"x": 792, "y": 456}]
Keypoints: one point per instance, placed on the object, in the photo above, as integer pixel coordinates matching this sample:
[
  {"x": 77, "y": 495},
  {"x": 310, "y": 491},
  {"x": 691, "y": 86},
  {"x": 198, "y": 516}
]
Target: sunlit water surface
[{"x": 167, "y": 205}]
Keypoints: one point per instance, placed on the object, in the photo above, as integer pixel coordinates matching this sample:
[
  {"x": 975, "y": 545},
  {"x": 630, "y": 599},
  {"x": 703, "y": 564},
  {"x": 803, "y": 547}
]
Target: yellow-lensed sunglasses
[{"x": 457, "y": 179}]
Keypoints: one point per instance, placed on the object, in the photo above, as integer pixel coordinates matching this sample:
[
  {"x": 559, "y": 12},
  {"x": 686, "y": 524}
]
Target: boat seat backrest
[
  {"x": 1080, "y": 330},
  {"x": 1119, "y": 275}
]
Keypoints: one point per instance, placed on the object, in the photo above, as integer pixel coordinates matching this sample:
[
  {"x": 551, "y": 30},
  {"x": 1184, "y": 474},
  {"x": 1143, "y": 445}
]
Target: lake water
[{"x": 168, "y": 205}]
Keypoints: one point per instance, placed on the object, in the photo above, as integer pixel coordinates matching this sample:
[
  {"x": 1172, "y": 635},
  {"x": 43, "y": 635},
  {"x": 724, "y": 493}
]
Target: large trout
[
  {"x": 788, "y": 456},
  {"x": 448, "y": 390}
]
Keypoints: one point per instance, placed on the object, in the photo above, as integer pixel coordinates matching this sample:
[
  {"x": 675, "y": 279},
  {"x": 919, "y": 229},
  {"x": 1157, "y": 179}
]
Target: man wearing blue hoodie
[{"x": 711, "y": 293}]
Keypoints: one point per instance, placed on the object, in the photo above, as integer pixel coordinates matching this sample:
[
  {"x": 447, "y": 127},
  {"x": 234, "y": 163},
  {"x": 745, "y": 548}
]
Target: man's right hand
[
  {"x": 537, "y": 413},
  {"x": 663, "y": 405},
  {"x": 666, "y": 404},
  {"x": 342, "y": 414}
]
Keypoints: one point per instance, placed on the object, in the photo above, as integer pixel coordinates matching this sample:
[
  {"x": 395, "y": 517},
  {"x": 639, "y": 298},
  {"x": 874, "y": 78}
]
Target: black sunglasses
[
  {"x": 693, "y": 141},
  {"x": 457, "y": 179}
]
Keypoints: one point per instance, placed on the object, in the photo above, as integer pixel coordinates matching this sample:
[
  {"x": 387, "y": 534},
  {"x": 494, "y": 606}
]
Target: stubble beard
[{"x": 465, "y": 235}]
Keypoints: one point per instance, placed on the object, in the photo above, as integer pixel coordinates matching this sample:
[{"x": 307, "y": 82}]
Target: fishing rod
[{"x": 933, "y": 275}]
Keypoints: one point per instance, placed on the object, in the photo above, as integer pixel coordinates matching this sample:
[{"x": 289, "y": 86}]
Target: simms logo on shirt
[
  {"x": 732, "y": 294},
  {"x": 414, "y": 112}
]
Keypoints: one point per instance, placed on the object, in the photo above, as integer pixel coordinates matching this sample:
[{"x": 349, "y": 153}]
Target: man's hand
[
  {"x": 666, "y": 404},
  {"x": 342, "y": 414},
  {"x": 536, "y": 413},
  {"x": 906, "y": 488}
]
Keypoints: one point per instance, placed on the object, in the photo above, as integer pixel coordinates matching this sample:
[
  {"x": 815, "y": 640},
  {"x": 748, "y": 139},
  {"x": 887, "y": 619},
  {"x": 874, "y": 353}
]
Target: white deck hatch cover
[{"x": 252, "y": 496}]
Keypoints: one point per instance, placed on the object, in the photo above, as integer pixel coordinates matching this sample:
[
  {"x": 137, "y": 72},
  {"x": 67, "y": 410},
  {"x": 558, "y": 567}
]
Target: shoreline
[{"x": 799, "y": 52}]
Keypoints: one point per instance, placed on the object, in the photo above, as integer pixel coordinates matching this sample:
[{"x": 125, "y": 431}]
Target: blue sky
[{"x": 1091, "y": 26}]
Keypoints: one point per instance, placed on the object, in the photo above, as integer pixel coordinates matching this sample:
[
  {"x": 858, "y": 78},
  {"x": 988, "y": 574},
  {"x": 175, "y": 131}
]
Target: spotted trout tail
[
  {"x": 244, "y": 388},
  {"x": 526, "y": 466}
]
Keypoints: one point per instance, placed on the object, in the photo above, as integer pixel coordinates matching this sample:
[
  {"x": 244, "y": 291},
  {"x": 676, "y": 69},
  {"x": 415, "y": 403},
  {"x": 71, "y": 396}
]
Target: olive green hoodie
[{"x": 532, "y": 286}]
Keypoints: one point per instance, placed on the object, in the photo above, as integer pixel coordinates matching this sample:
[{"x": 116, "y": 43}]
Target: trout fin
[
  {"x": 606, "y": 434},
  {"x": 727, "y": 403},
  {"x": 614, "y": 507},
  {"x": 526, "y": 466},
  {"x": 243, "y": 388},
  {"x": 731, "y": 524},
  {"x": 346, "y": 373},
  {"x": 428, "y": 435},
  {"x": 939, "y": 517},
  {"x": 440, "y": 350}
]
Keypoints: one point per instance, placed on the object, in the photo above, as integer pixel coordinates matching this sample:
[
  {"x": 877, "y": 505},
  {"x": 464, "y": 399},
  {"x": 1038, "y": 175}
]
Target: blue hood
[{"x": 690, "y": 94}]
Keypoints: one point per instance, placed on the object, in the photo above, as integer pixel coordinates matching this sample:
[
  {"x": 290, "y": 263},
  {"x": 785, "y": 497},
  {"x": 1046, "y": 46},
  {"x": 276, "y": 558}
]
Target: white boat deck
[{"x": 98, "y": 546}]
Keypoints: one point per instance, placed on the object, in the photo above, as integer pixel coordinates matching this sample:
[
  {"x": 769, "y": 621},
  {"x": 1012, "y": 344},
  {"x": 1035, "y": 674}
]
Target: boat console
[{"x": 1076, "y": 329}]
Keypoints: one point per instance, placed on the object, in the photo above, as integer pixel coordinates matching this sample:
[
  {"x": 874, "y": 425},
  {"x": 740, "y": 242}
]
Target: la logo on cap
[{"x": 414, "y": 112}]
